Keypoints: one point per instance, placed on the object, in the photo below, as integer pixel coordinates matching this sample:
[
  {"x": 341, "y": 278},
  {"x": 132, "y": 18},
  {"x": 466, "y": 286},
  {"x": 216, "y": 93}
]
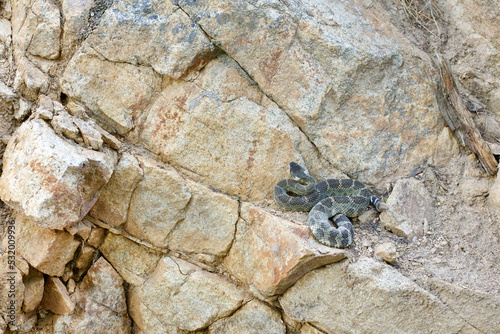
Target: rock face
[
  {"x": 342, "y": 292},
  {"x": 270, "y": 254},
  {"x": 180, "y": 296},
  {"x": 143, "y": 140},
  {"x": 51, "y": 180}
]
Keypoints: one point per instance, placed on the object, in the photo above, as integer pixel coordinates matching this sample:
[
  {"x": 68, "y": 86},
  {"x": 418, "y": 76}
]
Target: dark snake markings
[{"x": 337, "y": 198}]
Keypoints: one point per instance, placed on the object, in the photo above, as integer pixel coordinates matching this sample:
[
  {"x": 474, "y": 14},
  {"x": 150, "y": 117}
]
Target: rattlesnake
[{"x": 337, "y": 198}]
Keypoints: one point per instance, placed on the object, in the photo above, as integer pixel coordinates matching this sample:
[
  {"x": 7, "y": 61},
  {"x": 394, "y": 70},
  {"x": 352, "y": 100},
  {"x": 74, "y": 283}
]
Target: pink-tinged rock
[
  {"x": 47, "y": 250},
  {"x": 49, "y": 179},
  {"x": 56, "y": 297},
  {"x": 270, "y": 253},
  {"x": 100, "y": 303}
]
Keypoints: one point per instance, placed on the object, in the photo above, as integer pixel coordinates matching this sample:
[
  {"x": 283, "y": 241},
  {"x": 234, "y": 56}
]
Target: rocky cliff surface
[{"x": 142, "y": 140}]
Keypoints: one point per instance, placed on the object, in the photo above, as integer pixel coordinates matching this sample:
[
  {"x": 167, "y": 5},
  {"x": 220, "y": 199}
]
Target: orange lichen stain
[{"x": 269, "y": 66}]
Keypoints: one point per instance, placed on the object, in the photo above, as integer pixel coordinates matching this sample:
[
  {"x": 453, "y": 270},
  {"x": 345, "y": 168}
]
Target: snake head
[{"x": 298, "y": 172}]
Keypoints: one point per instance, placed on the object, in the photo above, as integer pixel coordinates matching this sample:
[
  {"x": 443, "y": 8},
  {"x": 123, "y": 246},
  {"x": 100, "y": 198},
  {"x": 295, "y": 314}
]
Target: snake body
[{"x": 337, "y": 198}]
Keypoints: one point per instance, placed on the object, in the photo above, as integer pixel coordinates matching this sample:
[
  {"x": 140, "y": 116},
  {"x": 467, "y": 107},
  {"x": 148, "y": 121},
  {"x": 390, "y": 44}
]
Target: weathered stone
[
  {"x": 114, "y": 92},
  {"x": 63, "y": 124},
  {"x": 473, "y": 188},
  {"x": 188, "y": 127},
  {"x": 100, "y": 303},
  {"x": 82, "y": 228},
  {"x": 33, "y": 293},
  {"x": 157, "y": 203},
  {"x": 45, "y": 107},
  {"x": 134, "y": 262},
  {"x": 180, "y": 296},
  {"x": 96, "y": 236},
  {"x": 210, "y": 217},
  {"x": 227, "y": 80},
  {"x": 171, "y": 44},
  {"x": 5, "y": 31},
  {"x": 113, "y": 203},
  {"x": 47, "y": 250},
  {"x": 368, "y": 297},
  {"x": 36, "y": 28},
  {"x": 308, "y": 329},
  {"x": 316, "y": 68},
  {"x": 83, "y": 260},
  {"x": 254, "y": 317},
  {"x": 56, "y": 298},
  {"x": 410, "y": 204},
  {"x": 52, "y": 181},
  {"x": 76, "y": 16},
  {"x": 91, "y": 137},
  {"x": 480, "y": 310},
  {"x": 23, "y": 111},
  {"x": 386, "y": 252},
  {"x": 271, "y": 254}
]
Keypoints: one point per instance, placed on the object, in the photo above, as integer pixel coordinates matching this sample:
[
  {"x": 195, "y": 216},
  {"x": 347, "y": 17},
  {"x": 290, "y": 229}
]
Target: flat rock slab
[
  {"x": 51, "y": 180},
  {"x": 368, "y": 297},
  {"x": 271, "y": 254},
  {"x": 180, "y": 296}
]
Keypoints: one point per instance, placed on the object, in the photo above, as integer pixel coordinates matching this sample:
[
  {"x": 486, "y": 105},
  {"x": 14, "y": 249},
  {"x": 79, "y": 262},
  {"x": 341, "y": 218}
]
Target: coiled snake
[{"x": 337, "y": 198}]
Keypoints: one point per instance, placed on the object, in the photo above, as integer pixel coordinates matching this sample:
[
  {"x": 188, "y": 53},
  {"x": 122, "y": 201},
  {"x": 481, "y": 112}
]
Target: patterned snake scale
[{"x": 337, "y": 198}]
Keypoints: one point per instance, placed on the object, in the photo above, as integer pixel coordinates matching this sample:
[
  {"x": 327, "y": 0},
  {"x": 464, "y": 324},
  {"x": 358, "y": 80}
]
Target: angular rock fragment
[
  {"x": 410, "y": 204},
  {"x": 132, "y": 261},
  {"x": 271, "y": 254},
  {"x": 368, "y": 297},
  {"x": 52, "y": 181},
  {"x": 113, "y": 203},
  {"x": 56, "y": 297},
  {"x": 157, "y": 203},
  {"x": 100, "y": 303},
  {"x": 47, "y": 250},
  {"x": 33, "y": 293},
  {"x": 181, "y": 297}
]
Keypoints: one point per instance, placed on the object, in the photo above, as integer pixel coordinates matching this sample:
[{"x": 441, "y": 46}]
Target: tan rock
[
  {"x": 180, "y": 296},
  {"x": 271, "y": 254},
  {"x": 115, "y": 93},
  {"x": 479, "y": 309},
  {"x": 188, "y": 128},
  {"x": 47, "y": 250},
  {"x": 254, "y": 317},
  {"x": 320, "y": 81},
  {"x": 63, "y": 124},
  {"x": 308, "y": 329},
  {"x": 83, "y": 260},
  {"x": 100, "y": 303},
  {"x": 33, "y": 293},
  {"x": 56, "y": 298},
  {"x": 91, "y": 137},
  {"x": 157, "y": 203},
  {"x": 210, "y": 217},
  {"x": 386, "y": 251},
  {"x": 44, "y": 41},
  {"x": 113, "y": 203},
  {"x": 132, "y": 261},
  {"x": 171, "y": 44},
  {"x": 368, "y": 297},
  {"x": 410, "y": 204},
  {"x": 52, "y": 181},
  {"x": 82, "y": 228},
  {"x": 96, "y": 236},
  {"x": 76, "y": 15}
]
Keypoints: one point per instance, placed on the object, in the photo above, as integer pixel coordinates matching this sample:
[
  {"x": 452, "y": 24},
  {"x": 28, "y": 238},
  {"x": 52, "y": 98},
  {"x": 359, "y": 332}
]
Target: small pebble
[{"x": 386, "y": 252}]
